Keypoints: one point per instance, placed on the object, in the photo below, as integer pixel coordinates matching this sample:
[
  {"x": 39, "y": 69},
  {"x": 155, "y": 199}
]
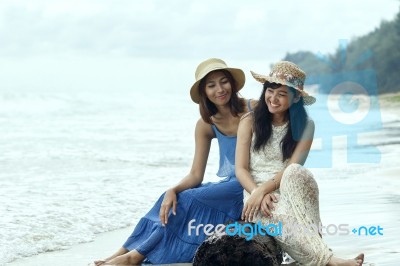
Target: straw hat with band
[
  {"x": 289, "y": 74},
  {"x": 210, "y": 65}
]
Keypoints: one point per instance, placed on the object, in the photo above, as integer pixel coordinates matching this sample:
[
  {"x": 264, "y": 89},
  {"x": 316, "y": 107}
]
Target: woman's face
[
  {"x": 278, "y": 100},
  {"x": 218, "y": 88}
]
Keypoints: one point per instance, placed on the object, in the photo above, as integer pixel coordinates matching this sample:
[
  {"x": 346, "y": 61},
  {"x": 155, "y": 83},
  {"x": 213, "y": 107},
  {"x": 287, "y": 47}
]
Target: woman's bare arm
[{"x": 203, "y": 137}]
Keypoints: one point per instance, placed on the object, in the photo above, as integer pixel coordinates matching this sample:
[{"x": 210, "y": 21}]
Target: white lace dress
[{"x": 297, "y": 205}]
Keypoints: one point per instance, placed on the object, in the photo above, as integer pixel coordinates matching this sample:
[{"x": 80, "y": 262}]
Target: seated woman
[
  {"x": 273, "y": 144},
  {"x": 162, "y": 236}
]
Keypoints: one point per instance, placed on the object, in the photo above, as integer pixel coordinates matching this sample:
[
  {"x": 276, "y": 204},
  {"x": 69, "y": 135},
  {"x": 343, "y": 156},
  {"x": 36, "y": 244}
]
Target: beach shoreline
[{"x": 82, "y": 254}]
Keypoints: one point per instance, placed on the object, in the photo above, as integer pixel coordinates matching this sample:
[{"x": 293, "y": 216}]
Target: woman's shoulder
[
  {"x": 245, "y": 128},
  {"x": 249, "y": 116},
  {"x": 204, "y": 128},
  {"x": 247, "y": 121}
]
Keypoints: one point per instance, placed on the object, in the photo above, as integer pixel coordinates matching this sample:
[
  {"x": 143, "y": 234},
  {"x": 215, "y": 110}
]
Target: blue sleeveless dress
[{"x": 210, "y": 203}]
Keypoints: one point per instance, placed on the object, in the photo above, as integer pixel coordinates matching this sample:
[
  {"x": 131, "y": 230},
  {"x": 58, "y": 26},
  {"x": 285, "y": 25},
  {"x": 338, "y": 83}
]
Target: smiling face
[
  {"x": 279, "y": 100},
  {"x": 218, "y": 89}
]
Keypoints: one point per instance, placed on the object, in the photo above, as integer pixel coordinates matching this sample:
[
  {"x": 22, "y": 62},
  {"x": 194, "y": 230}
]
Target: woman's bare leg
[
  {"x": 119, "y": 252},
  {"x": 358, "y": 261},
  {"x": 131, "y": 258}
]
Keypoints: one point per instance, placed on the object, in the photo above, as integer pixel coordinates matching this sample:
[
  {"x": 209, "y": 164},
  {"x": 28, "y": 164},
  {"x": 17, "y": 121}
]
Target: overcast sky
[{"x": 90, "y": 44}]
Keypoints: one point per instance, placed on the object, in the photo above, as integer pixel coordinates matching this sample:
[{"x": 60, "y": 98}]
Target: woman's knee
[
  {"x": 296, "y": 173},
  {"x": 295, "y": 169}
]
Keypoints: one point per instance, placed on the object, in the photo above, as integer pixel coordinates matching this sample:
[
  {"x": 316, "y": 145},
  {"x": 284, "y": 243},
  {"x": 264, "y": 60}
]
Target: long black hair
[
  {"x": 296, "y": 115},
  {"x": 208, "y": 109}
]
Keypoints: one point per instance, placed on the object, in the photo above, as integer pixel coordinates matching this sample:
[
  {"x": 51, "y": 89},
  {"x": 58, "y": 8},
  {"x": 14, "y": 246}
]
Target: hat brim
[
  {"x": 308, "y": 99},
  {"x": 237, "y": 74}
]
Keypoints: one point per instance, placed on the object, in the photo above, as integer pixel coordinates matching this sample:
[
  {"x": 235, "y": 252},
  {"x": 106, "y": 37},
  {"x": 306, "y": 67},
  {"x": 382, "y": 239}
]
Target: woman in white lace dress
[{"x": 273, "y": 144}]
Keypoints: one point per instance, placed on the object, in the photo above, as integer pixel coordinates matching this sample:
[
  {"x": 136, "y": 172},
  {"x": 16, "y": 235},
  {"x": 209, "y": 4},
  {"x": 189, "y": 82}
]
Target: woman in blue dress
[{"x": 168, "y": 232}]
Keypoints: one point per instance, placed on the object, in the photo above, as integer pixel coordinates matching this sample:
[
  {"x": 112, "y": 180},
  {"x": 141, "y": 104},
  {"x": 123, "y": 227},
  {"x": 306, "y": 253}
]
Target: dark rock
[{"x": 234, "y": 250}]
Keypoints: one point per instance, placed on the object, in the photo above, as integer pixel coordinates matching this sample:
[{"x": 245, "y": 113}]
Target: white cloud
[
  {"x": 39, "y": 34},
  {"x": 180, "y": 28}
]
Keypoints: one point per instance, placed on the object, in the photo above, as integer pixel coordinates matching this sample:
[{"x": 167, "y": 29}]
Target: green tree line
[{"x": 377, "y": 51}]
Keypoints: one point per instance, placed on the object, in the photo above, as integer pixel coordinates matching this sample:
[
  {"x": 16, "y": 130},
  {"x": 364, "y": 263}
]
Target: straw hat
[
  {"x": 210, "y": 65},
  {"x": 289, "y": 74}
]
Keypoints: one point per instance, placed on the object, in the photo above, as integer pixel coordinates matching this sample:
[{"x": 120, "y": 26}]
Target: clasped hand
[{"x": 258, "y": 201}]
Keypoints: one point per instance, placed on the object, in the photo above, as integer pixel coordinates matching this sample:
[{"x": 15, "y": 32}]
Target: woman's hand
[
  {"x": 267, "y": 204},
  {"x": 252, "y": 205},
  {"x": 168, "y": 202}
]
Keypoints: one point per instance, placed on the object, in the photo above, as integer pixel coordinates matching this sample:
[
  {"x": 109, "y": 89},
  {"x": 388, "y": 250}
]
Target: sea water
[{"x": 75, "y": 164}]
